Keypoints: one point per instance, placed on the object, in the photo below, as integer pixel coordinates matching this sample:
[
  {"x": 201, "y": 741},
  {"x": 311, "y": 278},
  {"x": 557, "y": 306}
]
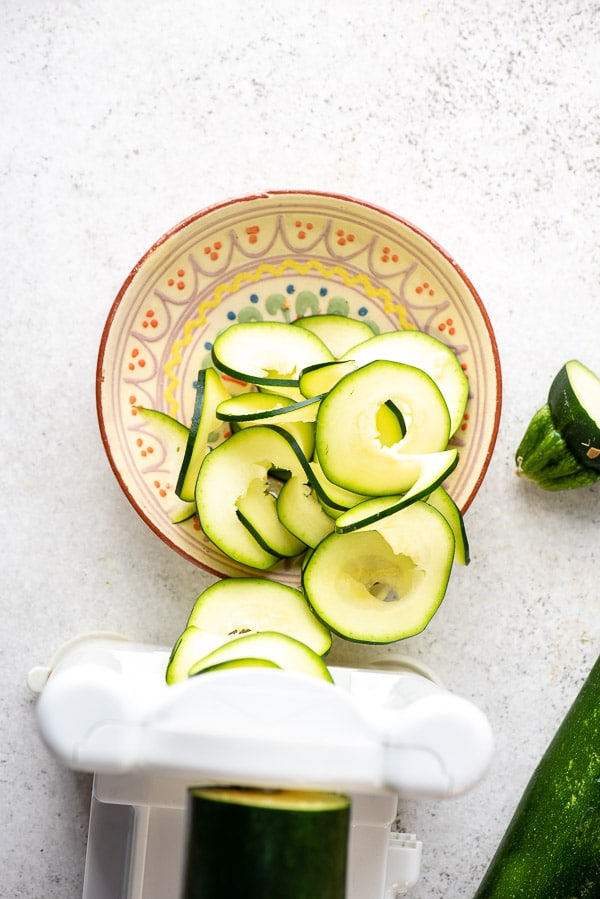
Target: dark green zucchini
[
  {"x": 551, "y": 848},
  {"x": 544, "y": 457},
  {"x": 560, "y": 449},
  {"x": 574, "y": 400},
  {"x": 265, "y": 844}
]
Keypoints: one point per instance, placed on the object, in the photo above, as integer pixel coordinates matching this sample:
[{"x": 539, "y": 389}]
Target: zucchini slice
[
  {"x": 293, "y": 844},
  {"x": 269, "y": 353},
  {"x": 235, "y": 606},
  {"x": 348, "y": 440},
  {"x": 435, "y": 468},
  {"x": 193, "y": 644},
  {"x": 574, "y": 400},
  {"x": 441, "y": 500},
  {"x": 301, "y": 434},
  {"x": 385, "y": 582},
  {"x": 316, "y": 380},
  {"x": 261, "y": 407},
  {"x": 284, "y": 651},
  {"x": 339, "y": 333},
  {"x": 334, "y": 498},
  {"x": 225, "y": 477},
  {"x": 241, "y": 663},
  {"x": 299, "y": 509},
  {"x": 173, "y": 437},
  {"x": 429, "y": 354},
  {"x": 258, "y": 513},
  {"x": 209, "y": 393}
]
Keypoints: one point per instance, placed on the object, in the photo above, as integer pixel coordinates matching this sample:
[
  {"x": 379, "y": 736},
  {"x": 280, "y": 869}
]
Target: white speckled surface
[{"x": 479, "y": 122}]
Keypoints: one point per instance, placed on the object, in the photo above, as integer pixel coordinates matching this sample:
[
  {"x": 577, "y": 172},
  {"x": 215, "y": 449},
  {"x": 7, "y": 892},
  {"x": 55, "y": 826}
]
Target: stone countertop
[{"x": 477, "y": 121}]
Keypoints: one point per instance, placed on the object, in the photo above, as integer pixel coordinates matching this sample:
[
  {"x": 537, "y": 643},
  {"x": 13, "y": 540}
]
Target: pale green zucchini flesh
[
  {"x": 348, "y": 438},
  {"x": 339, "y": 333},
  {"x": 269, "y": 353},
  {"x": 427, "y": 353},
  {"x": 385, "y": 582},
  {"x": 173, "y": 437},
  {"x": 284, "y": 651},
  {"x": 235, "y": 606}
]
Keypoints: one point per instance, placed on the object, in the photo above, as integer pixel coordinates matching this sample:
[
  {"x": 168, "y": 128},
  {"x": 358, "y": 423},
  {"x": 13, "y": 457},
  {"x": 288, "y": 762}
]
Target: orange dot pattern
[
  {"x": 302, "y": 228},
  {"x": 136, "y": 360},
  {"x": 387, "y": 255},
  {"x": 448, "y": 325},
  {"x": 145, "y": 449},
  {"x": 343, "y": 238},
  {"x": 253, "y": 231},
  {"x": 425, "y": 287},
  {"x": 212, "y": 250},
  {"x": 150, "y": 320},
  {"x": 178, "y": 282},
  {"x": 162, "y": 489}
]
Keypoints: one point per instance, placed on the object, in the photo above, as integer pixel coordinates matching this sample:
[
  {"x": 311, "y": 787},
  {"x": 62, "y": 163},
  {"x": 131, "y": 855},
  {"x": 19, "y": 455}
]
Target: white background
[{"x": 478, "y": 121}]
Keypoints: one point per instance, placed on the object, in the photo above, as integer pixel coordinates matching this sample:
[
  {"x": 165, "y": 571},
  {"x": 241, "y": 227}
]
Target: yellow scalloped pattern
[{"x": 266, "y": 269}]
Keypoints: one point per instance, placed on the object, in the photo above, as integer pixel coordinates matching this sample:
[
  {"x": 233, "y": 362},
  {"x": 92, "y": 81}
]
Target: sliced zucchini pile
[
  {"x": 338, "y": 450},
  {"x": 247, "y": 621},
  {"x": 560, "y": 449}
]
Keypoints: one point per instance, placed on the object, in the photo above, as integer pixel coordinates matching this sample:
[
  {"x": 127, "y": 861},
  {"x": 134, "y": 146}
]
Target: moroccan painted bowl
[{"x": 274, "y": 257}]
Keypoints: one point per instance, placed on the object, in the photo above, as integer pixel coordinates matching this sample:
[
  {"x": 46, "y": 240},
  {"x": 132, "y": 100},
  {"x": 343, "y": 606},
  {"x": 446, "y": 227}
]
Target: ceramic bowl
[{"x": 276, "y": 256}]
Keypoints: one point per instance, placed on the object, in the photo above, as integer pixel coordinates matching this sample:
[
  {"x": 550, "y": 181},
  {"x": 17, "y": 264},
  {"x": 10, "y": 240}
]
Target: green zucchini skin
[
  {"x": 255, "y": 844},
  {"x": 551, "y": 848},
  {"x": 544, "y": 457},
  {"x": 570, "y": 415}
]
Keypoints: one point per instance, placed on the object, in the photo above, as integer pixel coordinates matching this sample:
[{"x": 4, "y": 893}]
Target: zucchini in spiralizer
[
  {"x": 551, "y": 847},
  {"x": 265, "y": 844},
  {"x": 560, "y": 449}
]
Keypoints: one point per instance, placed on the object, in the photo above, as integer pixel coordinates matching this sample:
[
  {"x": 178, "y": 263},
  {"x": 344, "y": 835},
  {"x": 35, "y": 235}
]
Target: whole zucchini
[{"x": 551, "y": 848}]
